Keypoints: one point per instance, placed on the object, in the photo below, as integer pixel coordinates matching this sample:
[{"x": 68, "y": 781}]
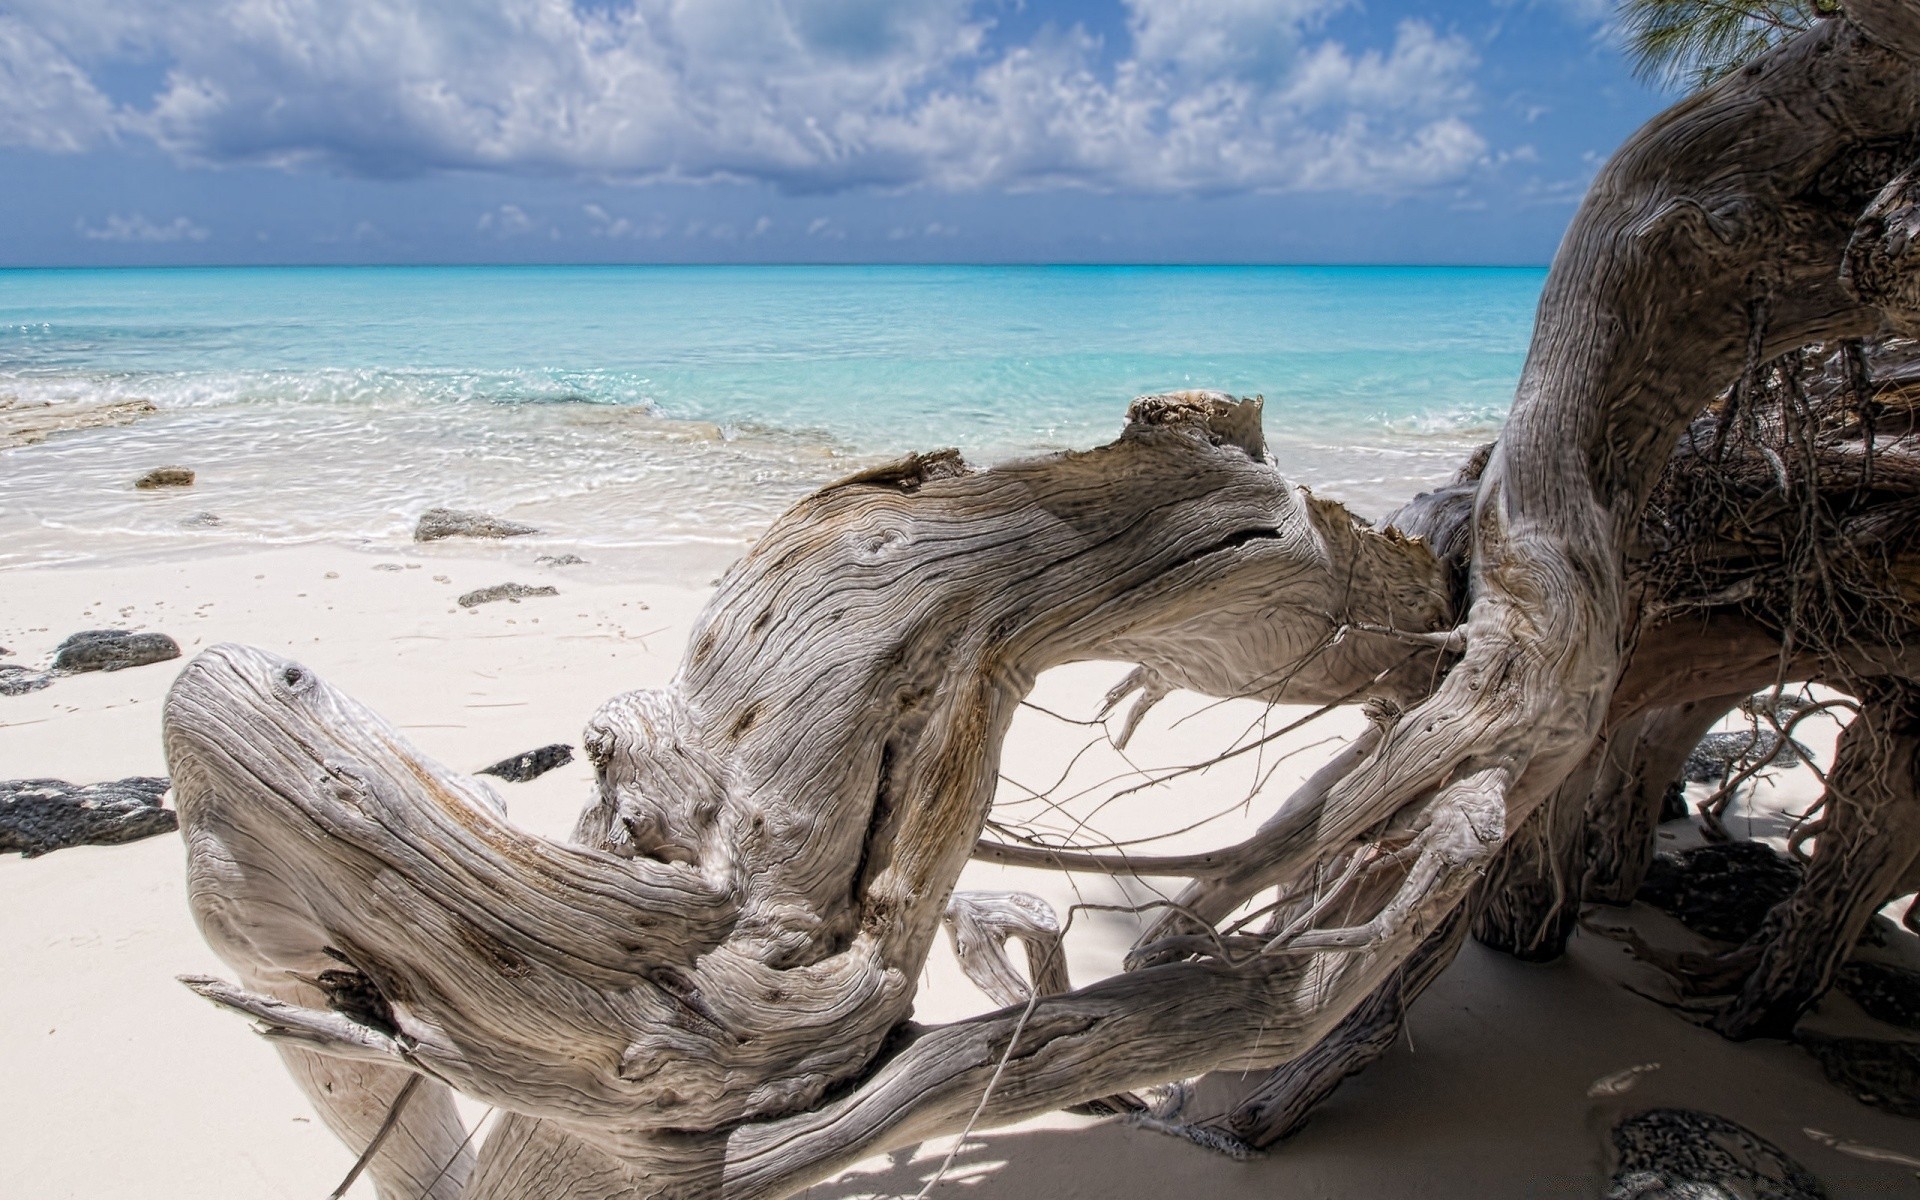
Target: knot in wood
[
  {"x": 1223, "y": 420},
  {"x": 1882, "y": 263}
]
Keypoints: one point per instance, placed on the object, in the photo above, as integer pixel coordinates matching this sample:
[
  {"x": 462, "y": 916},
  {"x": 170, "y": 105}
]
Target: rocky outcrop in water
[
  {"x": 531, "y": 765},
  {"x": 165, "y": 477},
  {"x": 1722, "y": 891},
  {"x": 23, "y": 423},
  {"x": 437, "y": 523},
  {"x": 560, "y": 560},
  {"x": 38, "y": 816},
  {"x": 112, "y": 650},
  {"x": 504, "y": 591},
  {"x": 1682, "y": 1154}
]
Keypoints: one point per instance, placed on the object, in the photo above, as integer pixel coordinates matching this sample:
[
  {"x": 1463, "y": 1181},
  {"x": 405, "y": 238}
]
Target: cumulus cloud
[
  {"x": 137, "y": 228},
  {"x": 809, "y": 95}
]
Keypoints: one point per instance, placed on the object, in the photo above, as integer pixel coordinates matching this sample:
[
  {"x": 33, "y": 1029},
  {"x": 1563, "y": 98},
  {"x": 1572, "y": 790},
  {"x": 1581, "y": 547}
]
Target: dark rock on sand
[
  {"x": 1884, "y": 992},
  {"x": 1719, "y": 755},
  {"x": 1885, "y": 1074},
  {"x": 112, "y": 650},
  {"x": 560, "y": 560},
  {"x": 1673, "y": 802},
  {"x": 1722, "y": 891},
  {"x": 532, "y": 764},
  {"x": 504, "y": 591},
  {"x": 165, "y": 477},
  {"x": 1682, "y": 1154},
  {"x": 16, "y": 680},
  {"x": 437, "y": 523},
  {"x": 42, "y": 815}
]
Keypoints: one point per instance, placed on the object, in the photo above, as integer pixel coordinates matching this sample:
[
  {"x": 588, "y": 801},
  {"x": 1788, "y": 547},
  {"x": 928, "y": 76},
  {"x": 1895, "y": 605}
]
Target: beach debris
[
  {"x": 437, "y": 523},
  {"x": 1884, "y": 1074},
  {"x": 165, "y": 477},
  {"x": 512, "y": 592},
  {"x": 1207, "y": 1137},
  {"x": 530, "y": 765},
  {"x": 1722, "y": 891},
  {"x": 112, "y": 650},
  {"x": 560, "y": 560},
  {"x": 1883, "y": 991},
  {"x": 1684, "y": 1154},
  {"x": 38, "y": 816},
  {"x": 1861, "y": 1150},
  {"x": 1620, "y": 1082},
  {"x": 16, "y": 680}
]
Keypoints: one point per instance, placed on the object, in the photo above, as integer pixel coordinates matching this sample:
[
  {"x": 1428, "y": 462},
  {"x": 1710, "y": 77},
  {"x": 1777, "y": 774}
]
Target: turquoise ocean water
[{"x": 636, "y": 408}]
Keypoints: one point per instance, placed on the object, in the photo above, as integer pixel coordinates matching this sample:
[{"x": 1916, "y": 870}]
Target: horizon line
[{"x": 837, "y": 263}]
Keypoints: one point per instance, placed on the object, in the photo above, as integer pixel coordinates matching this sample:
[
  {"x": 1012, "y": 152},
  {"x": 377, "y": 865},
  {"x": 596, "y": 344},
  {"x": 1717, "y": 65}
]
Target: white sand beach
[{"x": 121, "y": 1083}]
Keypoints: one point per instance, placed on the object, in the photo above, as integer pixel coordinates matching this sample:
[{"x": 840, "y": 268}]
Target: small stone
[
  {"x": 504, "y": 591},
  {"x": 388, "y": 567},
  {"x": 333, "y": 575},
  {"x": 165, "y": 477},
  {"x": 437, "y": 523},
  {"x": 1722, "y": 891},
  {"x": 1884, "y": 1074},
  {"x": 16, "y": 680},
  {"x": 38, "y": 816},
  {"x": 532, "y": 764},
  {"x": 1884, "y": 992},
  {"x": 1682, "y": 1154},
  {"x": 560, "y": 560},
  {"x": 201, "y": 520},
  {"x": 112, "y": 650}
]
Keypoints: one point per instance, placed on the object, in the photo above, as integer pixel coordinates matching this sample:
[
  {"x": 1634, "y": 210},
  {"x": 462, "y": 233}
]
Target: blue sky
[{"x": 451, "y": 131}]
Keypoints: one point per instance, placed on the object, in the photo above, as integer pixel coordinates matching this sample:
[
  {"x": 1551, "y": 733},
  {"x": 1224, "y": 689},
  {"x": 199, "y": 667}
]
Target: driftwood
[{"x": 707, "y": 993}]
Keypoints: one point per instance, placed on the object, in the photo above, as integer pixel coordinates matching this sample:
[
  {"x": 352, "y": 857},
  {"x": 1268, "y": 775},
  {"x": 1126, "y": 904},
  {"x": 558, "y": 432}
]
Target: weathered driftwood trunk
[
  {"x": 1624, "y": 811},
  {"x": 707, "y": 994},
  {"x": 1871, "y": 839},
  {"x": 1280, "y": 1106}
]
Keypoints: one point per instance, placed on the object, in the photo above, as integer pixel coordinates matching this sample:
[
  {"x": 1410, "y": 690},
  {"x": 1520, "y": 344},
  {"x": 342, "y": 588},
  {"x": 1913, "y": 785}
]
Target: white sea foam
[{"x": 635, "y": 409}]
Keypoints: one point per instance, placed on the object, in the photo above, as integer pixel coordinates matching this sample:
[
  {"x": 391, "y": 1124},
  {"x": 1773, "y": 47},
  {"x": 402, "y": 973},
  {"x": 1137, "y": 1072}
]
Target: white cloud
[
  {"x": 46, "y": 102},
  {"x": 137, "y": 228},
  {"x": 509, "y": 220},
  {"x": 810, "y": 95}
]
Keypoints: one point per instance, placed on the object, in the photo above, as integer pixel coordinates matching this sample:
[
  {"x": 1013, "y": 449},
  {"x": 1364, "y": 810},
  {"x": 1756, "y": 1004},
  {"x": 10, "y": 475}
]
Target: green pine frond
[{"x": 1693, "y": 43}]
